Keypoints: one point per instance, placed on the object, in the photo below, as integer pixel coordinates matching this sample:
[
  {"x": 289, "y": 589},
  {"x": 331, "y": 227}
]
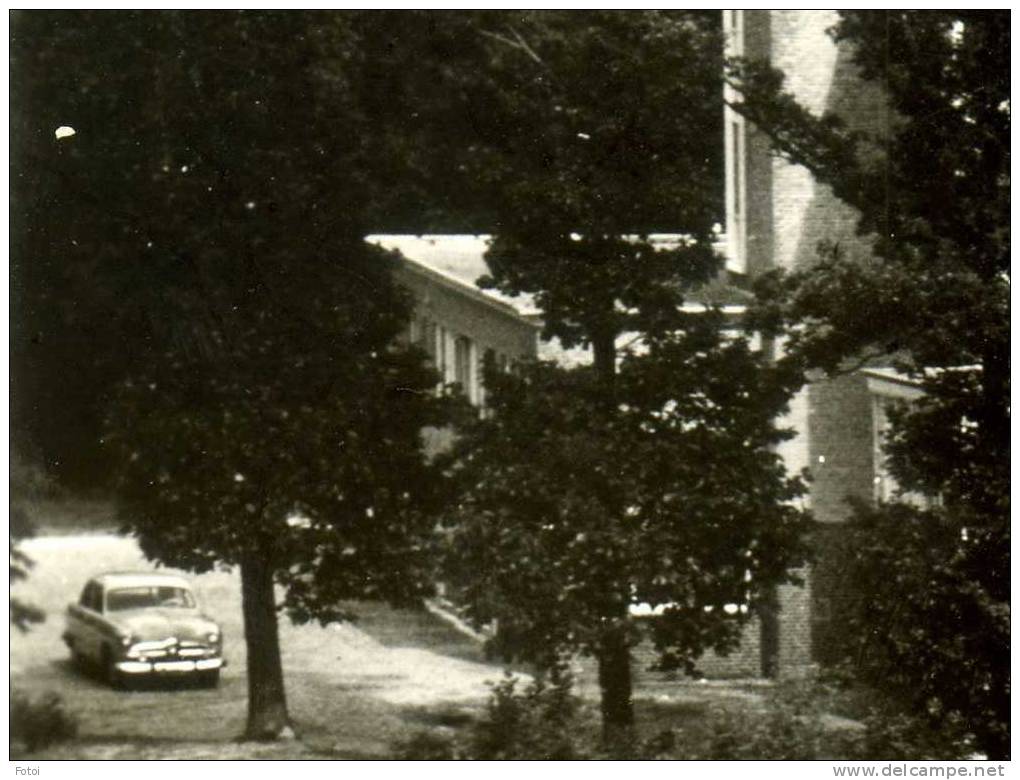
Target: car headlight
[
  {"x": 213, "y": 636},
  {"x": 127, "y": 640}
]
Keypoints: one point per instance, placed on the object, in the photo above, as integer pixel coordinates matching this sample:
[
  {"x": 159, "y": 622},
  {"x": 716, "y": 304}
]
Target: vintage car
[{"x": 139, "y": 624}]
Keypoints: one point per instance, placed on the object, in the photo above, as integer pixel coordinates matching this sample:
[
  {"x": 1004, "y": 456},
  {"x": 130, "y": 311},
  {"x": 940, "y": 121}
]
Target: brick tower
[{"x": 776, "y": 216}]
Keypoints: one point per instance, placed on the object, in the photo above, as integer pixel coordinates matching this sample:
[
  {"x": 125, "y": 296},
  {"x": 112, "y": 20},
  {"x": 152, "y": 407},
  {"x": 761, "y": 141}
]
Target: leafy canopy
[
  {"x": 571, "y": 512},
  {"x": 648, "y": 477},
  {"x": 200, "y": 137},
  {"x": 587, "y": 143},
  {"x": 198, "y": 242}
]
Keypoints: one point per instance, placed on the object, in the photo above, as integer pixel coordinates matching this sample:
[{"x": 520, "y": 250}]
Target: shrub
[
  {"x": 902, "y": 736},
  {"x": 544, "y": 720},
  {"x": 540, "y": 722},
  {"x": 39, "y": 722},
  {"x": 928, "y": 618},
  {"x": 876, "y": 726},
  {"x": 22, "y": 615}
]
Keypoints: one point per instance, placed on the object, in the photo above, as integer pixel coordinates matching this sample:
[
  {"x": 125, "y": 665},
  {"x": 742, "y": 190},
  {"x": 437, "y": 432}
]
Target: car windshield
[{"x": 143, "y": 596}]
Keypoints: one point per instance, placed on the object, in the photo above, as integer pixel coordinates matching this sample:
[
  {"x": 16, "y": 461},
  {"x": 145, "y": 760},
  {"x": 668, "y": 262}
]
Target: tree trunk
[
  {"x": 604, "y": 353},
  {"x": 267, "y": 702},
  {"x": 769, "y": 634},
  {"x": 617, "y": 689},
  {"x": 614, "y": 654}
]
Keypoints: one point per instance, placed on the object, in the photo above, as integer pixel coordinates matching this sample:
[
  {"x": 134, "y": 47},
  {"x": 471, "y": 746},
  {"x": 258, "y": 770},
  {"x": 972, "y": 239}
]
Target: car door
[{"x": 90, "y": 621}]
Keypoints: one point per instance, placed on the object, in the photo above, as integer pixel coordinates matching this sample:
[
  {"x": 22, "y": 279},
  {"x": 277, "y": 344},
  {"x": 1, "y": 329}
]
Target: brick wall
[
  {"x": 841, "y": 451},
  {"x": 743, "y": 662},
  {"x": 828, "y": 595},
  {"x": 788, "y": 214}
]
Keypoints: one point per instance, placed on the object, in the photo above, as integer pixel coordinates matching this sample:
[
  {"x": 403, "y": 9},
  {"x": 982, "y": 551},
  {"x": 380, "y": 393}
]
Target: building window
[
  {"x": 886, "y": 488},
  {"x": 885, "y": 484},
  {"x": 736, "y": 153},
  {"x": 733, "y": 29},
  {"x": 463, "y": 366},
  {"x": 423, "y": 333},
  {"x": 489, "y": 358},
  {"x": 441, "y": 363},
  {"x": 736, "y": 188},
  {"x": 738, "y": 171}
]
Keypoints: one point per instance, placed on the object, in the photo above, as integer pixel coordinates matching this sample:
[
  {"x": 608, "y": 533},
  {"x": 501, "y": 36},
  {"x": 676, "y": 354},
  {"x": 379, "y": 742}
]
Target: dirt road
[{"x": 349, "y": 692}]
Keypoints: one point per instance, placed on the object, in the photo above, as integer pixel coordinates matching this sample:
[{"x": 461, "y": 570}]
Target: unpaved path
[{"x": 351, "y": 692}]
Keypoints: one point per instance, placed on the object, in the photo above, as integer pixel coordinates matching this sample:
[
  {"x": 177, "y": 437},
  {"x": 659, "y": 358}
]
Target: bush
[
  {"x": 781, "y": 734},
  {"x": 544, "y": 720},
  {"x": 39, "y": 722},
  {"x": 22, "y": 615},
  {"x": 540, "y": 722},
  {"x": 799, "y": 724},
  {"x": 928, "y": 618},
  {"x": 901, "y": 736}
]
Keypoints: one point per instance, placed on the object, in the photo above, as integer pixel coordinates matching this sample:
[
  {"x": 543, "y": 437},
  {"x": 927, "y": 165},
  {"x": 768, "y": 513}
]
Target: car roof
[{"x": 129, "y": 579}]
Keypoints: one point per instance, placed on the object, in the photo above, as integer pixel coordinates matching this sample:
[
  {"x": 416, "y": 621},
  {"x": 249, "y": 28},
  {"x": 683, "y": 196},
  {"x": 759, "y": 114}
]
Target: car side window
[
  {"x": 97, "y": 598},
  {"x": 92, "y": 597}
]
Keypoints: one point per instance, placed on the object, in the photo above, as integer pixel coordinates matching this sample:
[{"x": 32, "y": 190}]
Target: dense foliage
[
  {"x": 295, "y": 432},
  {"x": 647, "y": 478},
  {"x": 22, "y": 614},
  {"x": 917, "y": 621},
  {"x": 38, "y": 721},
  {"x": 195, "y": 251},
  {"x": 202, "y": 134},
  {"x": 593, "y": 131},
  {"x": 570, "y": 512},
  {"x": 933, "y": 192}
]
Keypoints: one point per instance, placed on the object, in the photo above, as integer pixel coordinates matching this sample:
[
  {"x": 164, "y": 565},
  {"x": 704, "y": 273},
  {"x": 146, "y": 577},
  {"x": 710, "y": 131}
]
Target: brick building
[{"x": 776, "y": 217}]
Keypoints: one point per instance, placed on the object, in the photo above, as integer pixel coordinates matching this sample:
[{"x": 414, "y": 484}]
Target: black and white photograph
[{"x": 510, "y": 385}]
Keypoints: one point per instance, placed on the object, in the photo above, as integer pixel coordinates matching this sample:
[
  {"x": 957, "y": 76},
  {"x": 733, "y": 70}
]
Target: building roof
[{"x": 458, "y": 260}]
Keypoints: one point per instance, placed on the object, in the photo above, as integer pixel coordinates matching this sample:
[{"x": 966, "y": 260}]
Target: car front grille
[{"x": 171, "y": 648}]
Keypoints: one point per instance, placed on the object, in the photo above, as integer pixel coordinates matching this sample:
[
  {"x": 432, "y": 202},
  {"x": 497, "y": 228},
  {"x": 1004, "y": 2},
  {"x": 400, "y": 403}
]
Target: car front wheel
[
  {"x": 209, "y": 679},
  {"x": 78, "y": 659},
  {"x": 113, "y": 676}
]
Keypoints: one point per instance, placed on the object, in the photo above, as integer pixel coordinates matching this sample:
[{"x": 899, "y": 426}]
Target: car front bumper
[{"x": 177, "y": 666}]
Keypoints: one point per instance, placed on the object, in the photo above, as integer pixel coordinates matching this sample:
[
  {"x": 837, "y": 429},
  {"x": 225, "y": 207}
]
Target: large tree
[
  {"x": 647, "y": 477},
  {"x": 190, "y": 117},
  {"x": 193, "y": 256},
  {"x": 932, "y": 296},
  {"x": 673, "y": 503}
]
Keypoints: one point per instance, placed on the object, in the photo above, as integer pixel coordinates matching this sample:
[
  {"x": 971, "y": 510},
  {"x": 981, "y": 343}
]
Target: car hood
[{"x": 159, "y": 624}]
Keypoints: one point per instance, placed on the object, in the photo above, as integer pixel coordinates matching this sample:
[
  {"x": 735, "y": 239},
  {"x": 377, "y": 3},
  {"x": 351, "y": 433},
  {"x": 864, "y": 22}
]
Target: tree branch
[{"x": 518, "y": 43}]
